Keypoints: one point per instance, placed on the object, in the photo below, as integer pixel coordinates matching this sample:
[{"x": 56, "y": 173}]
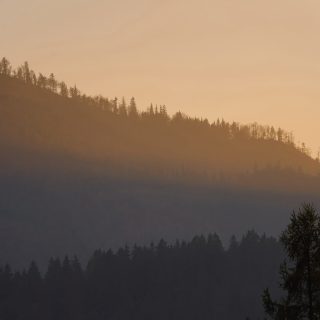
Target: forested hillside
[
  {"x": 197, "y": 279},
  {"x": 45, "y": 116},
  {"x": 80, "y": 173}
]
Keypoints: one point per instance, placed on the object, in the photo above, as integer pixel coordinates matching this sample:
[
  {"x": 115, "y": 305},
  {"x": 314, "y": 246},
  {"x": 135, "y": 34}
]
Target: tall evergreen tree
[
  {"x": 52, "y": 83},
  {"x": 5, "y": 67},
  {"x": 301, "y": 274},
  {"x": 74, "y": 92},
  {"x": 123, "y": 108},
  {"x": 114, "y": 103},
  {"x": 64, "y": 92},
  {"x": 26, "y": 73},
  {"x": 151, "y": 111},
  {"x": 133, "y": 111},
  {"x": 42, "y": 81}
]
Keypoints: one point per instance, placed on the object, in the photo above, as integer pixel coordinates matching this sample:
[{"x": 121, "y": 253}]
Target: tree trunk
[{"x": 310, "y": 298}]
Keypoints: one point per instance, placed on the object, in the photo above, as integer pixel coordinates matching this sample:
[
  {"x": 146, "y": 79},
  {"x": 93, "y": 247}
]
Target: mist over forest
[{"x": 81, "y": 173}]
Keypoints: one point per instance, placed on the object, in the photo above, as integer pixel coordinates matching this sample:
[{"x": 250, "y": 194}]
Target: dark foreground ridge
[{"x": 187, "y": 280}]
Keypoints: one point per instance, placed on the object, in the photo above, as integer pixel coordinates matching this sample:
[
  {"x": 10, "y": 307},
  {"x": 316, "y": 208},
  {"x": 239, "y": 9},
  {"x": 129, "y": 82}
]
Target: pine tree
[
  {"x": 133, "y": 112},
  {"x": 34, "y": 79},
  {"x": 26, "y": 74},
  {"x": 151, "y": 111},
  {"x": 42, "y": 81},
  {"x": 114, "y": 103},
  {"x": 74, "y": 92},
  {"x": 123, "y": 108},
  {"x": 64, "y": 92},
  {"x": 52, "y": 83},
  {"x": 300, "y": 277},
  {"x": 5, "y": 67},
  {"x": 34, "y": 283},
  {"x": 163, "y": 112}
]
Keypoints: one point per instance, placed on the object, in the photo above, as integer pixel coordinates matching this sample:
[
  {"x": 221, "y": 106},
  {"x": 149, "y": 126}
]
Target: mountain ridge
[{"x": 97, "y": 129}]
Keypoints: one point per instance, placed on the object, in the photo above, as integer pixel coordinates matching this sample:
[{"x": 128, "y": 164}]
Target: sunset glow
[{"x": 239, "y": 60}]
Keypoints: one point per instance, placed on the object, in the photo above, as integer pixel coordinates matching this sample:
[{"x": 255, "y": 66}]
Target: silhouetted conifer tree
[
  {"x": 74, "y": 92},
  {"x": 52, "y": 83},
  {"x": 26, "y": 75},
  {"x": 42, "y": 81},
  {"x": 123, "y": 108},
  {"x": 5, "y": 67},
  {"x": 300, "y": 276},
  {"x": 132, "y": 110},
  {"x": 64, "y": 92},
  {"x": 151, "y": 111}
]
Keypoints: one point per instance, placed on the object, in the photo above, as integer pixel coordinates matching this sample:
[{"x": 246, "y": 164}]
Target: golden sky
[{"x": 243, "y": 60}]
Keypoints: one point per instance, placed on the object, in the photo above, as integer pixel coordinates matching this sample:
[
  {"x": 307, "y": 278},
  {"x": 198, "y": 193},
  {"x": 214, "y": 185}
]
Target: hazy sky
[{"x": 243, "y": 60}]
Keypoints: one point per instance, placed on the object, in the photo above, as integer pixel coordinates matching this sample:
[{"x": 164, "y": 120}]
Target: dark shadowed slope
[{"x": 187, "y": 280}]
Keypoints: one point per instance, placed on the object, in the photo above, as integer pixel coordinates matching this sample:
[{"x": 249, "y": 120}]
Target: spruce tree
[
  {"x": 5, "y": 67},
  {"x": 300, "y": 275}
]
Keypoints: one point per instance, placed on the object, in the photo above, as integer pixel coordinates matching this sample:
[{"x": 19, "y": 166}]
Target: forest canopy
[
  {"x": 197, "y": 279},
  {"x": 122, "y": 108}
]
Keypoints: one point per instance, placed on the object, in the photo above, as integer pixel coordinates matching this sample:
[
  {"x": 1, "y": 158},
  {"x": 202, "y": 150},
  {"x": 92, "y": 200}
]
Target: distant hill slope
[
  {"x": 78, "y": 173},
  {"x": 38, "y": 120}
]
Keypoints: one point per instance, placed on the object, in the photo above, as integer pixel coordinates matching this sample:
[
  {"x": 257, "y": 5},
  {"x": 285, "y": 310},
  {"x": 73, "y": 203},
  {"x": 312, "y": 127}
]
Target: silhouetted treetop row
[
  {"x": 198, "y": 279},
  {"x": 124, "y": 109}
]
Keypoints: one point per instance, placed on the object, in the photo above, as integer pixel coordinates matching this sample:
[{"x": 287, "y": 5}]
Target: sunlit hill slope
[{"x": 104, "y": 131}]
